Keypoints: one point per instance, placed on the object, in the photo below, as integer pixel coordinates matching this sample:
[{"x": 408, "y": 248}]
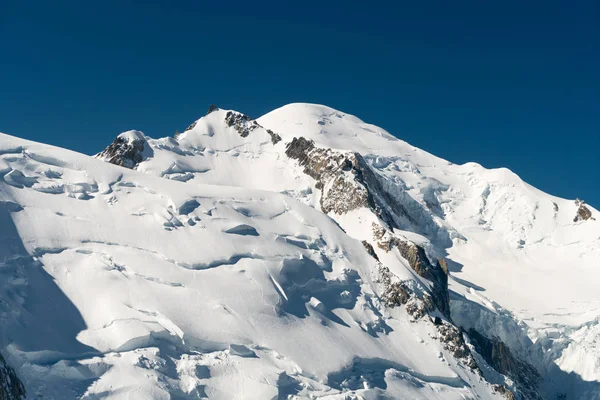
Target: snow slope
[
  {"x": 512, "y": 235},
  {"x": 521, "y": 268},
  {"x": 121, "y": 284},
  {"x": 227, "y": 263}
]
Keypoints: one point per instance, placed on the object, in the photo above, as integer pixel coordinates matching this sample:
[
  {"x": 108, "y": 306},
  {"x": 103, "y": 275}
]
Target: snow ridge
[{"x": 305, "y": 254}]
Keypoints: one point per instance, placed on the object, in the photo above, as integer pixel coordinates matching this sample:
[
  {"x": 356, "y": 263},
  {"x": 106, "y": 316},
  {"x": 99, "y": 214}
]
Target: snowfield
[{"x": 232, "y": 262}]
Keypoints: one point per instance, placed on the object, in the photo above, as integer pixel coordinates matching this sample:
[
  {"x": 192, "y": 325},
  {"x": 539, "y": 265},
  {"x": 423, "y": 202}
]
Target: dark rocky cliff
[{"x": 11, "y": 387}]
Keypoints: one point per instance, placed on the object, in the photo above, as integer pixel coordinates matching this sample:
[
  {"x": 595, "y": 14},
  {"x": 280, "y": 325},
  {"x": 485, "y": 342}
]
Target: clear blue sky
[{"x": 502, "y": 83}]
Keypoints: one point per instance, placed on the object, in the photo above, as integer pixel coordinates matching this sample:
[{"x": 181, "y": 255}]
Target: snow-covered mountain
[{"x": 305, "y": 254}]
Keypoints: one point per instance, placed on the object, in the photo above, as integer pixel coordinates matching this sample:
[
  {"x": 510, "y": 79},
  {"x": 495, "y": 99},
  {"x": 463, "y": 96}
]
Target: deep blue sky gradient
[{"x": 510, "y": 83}]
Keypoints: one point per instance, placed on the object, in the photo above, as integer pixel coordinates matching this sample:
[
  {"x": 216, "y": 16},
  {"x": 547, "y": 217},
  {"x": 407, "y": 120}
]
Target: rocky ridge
[{"x": 243, "y": 124}]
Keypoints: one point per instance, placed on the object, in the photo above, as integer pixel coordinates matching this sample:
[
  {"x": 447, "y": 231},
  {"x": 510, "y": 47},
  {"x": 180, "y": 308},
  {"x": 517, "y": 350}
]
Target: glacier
[{"x": 304, "y": 254}]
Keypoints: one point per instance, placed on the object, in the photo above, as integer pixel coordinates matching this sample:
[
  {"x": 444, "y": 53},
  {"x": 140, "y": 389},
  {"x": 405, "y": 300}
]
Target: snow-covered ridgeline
[{"x": 226, "y": 279}]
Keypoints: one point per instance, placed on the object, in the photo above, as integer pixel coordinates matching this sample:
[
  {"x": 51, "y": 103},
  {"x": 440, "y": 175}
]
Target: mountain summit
[{"x": 303, "y": 254}]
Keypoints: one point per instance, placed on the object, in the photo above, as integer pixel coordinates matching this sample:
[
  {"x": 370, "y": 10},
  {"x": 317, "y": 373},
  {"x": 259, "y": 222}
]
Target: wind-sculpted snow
[
  {"x": 305, "y": 254},
  {"x": 127, "y": 285},
  {"x": 494, "y": 234},
  {"x": 511, "y": 246}
]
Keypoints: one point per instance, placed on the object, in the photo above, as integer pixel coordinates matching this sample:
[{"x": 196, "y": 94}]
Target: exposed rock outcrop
[
  {"x": 243, "y": 124},
  {"x": 348, "y": 182},
  {"x": 189, "y": 128},
  {"x": 452, "y": 338},
  {"x": 418, "y": 261},
  {"x": 395, "y": 293},
  {"x": 498, "y": 356},
  {"x": 503, "y": 390},
  {"x": 127, "y": 150},
  {"x": 335, "y": 173},
  {"x": 370, "y": 249},
  {"x": 583, "y": 213},
  {"x": 418, "y": 303},
  {"x": 11, "y": 388},
  {"x": 212, "y": 108},
  {"x": 275, "y": 138}
]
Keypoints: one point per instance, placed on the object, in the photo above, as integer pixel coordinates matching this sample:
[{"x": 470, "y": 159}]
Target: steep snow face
[
  {"x": 510, "y": 235},
  {"x": 517, "y": 256},
  {"x": 122, "y": 284}
]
